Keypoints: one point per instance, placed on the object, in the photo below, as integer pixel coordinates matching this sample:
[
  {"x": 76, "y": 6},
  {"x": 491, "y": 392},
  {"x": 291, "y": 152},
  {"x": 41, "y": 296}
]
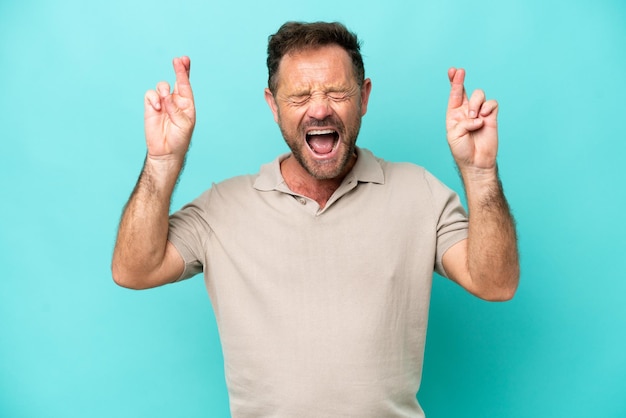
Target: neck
[{"x": 301, "y": 182}]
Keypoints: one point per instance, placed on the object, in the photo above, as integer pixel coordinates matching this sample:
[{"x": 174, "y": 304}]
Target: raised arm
[
  {"x": 143, "y": 257},
  {"x": 487, "y": 263}
]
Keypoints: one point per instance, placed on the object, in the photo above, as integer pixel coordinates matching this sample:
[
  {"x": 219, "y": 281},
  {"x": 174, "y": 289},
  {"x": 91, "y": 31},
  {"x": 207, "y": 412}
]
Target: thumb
[
  {"x": 466, "y": 126},
  {"x": 174, "y": 110}
]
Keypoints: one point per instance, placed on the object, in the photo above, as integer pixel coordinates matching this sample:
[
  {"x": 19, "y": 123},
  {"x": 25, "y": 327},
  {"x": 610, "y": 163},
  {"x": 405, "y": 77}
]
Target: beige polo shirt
[{"x": 322, "y": 313}]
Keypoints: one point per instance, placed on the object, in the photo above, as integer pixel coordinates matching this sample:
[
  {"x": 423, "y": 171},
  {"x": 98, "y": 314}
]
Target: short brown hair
[{"x": 295, "y": 36}]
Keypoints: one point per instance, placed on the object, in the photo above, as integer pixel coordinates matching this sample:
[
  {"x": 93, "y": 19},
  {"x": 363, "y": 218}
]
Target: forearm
[
  {"x": 493, "y": 261},
  {"x": 142, "y": 236}
]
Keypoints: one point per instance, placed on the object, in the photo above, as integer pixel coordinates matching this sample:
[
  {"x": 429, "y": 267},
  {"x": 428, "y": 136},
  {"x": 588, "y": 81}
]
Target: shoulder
[
  {"x": 237, "y": 183},
  {"x": 229, "y": 191},
  {"x": 412, "y": 177},
  {"x": 403, "y": 173}
]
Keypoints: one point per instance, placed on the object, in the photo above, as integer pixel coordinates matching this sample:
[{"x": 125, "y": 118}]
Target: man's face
[{"x": 318, "y": 105}]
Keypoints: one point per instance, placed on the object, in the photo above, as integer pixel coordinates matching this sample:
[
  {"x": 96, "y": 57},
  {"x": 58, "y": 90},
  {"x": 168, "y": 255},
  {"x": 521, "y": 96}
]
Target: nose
[{"x": 319, "y": 107}]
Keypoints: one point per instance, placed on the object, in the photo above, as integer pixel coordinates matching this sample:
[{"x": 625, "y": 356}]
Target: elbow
[
  {"x": 501, "y": 290},
  {"x": 142, "y": 279},
  {"x": 124, "y": 279},
  {"x": 501, "y": 295}
]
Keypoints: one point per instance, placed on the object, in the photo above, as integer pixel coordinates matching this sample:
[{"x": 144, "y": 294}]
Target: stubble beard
[{"x": 324, "y": 170}]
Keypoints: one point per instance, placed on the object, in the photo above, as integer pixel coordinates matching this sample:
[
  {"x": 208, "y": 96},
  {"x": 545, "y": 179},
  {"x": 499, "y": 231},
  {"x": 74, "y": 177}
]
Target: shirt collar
[{"x": 366, "y": 170}]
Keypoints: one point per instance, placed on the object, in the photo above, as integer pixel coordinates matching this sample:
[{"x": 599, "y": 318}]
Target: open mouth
[{"x": 322, "y": 141}]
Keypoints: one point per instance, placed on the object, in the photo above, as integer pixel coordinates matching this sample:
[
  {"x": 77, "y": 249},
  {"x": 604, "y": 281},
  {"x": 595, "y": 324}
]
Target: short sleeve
[
  {"x": 452, "y": 220},
  {"x": 188, "y": 232}
]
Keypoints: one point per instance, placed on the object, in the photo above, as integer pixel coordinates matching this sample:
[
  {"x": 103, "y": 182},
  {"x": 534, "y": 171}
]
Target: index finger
[
  {"x": 182, "y": 68},
  {"x": 458, "y": 96}
]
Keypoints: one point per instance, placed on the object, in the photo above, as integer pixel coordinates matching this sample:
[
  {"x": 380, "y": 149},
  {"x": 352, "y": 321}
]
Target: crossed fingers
[
  {"x": 182, "y": 86},
  {"x": 476, "y": 106}
]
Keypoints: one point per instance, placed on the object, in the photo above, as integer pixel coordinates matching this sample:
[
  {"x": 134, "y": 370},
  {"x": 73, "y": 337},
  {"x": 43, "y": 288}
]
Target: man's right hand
[
  {"x": 143, "y": 257},
  {"x": 170, "y": 117}
]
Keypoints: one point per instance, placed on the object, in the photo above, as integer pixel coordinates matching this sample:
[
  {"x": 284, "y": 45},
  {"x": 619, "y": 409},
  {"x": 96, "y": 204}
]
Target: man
[{"x": 319, "y": 268}]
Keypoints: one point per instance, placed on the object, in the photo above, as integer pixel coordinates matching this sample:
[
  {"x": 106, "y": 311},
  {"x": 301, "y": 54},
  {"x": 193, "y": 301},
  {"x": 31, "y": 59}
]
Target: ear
[
  {"x": 269, "y": 98},
  {"x": 365, "y": 95}
]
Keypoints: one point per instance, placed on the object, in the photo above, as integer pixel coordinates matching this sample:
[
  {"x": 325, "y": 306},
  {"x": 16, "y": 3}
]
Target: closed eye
[
  {"x": 335, "y": 96},
  {"x": 338, "y": 97},
  {"x": 298, "y": 100}
]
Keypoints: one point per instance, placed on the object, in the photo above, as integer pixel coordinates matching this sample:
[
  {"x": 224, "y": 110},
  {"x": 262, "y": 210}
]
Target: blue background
[{"x": 73, "y": 73}]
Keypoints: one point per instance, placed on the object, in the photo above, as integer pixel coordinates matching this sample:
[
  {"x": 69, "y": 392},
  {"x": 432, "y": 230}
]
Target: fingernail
[{"x": 472, "y": 114}]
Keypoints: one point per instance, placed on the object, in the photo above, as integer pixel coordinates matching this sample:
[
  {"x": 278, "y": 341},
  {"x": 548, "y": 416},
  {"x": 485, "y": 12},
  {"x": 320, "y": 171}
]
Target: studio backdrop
[{"x": 74, "y": 345}]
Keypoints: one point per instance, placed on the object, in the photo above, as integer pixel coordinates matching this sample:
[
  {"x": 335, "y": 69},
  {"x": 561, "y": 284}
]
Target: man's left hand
[{"x": 472, "y": 127}]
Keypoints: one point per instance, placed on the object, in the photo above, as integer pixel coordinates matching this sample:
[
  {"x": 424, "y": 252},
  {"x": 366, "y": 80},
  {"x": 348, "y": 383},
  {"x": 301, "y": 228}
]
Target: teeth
[{"x": 321, "y": 132}]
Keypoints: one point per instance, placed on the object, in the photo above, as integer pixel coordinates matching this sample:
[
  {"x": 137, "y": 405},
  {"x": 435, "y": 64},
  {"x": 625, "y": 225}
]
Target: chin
[{"x": 328, "y": 170}]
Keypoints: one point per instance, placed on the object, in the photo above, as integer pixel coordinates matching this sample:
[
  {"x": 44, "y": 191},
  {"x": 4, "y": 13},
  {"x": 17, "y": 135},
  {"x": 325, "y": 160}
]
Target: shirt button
[{"x": 302, "y": 200}]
